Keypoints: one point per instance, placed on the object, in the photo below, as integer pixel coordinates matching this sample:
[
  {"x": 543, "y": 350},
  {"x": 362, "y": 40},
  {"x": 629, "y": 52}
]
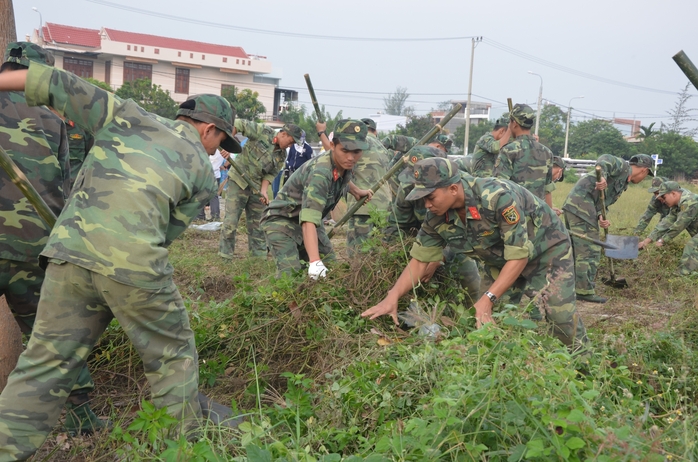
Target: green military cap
[
  {"x": 643, "y": 160},
  {"x": 560, "y": 162},
  {"x": 523, "y": 115},
  {"x": 25, "y": 52},
  {"x": 443, "y": 140},
  {"x": 502, "y": 121},
  {"x": 416, "y": 154},
  {"x": 295, "y": 131},
  {"x": 667, "y": 187},
  {"x": 351, "y": 134},
  {"x": 430, "y": 174},
  {"x": 656, "y": 183},
  {"x": 370, "y": 123},
  {"x": 213, "y": 109}
]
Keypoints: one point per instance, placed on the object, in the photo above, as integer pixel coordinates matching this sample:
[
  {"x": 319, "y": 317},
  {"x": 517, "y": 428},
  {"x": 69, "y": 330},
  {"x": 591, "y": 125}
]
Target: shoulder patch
[
  {"x": 474, "y": 213},
  {"x": 511, "y": 215}
]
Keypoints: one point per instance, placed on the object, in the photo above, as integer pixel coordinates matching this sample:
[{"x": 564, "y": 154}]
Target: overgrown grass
[{"x": 319, "y": 383}]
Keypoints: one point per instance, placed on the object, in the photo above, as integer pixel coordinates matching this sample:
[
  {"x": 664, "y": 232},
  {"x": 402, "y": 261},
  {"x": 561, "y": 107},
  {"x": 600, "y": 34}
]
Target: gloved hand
[{"x": 317, "y": 269}]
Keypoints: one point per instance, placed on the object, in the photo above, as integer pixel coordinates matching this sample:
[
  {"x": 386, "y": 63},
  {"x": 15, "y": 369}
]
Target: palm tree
[{"x": 647, "y": 132}]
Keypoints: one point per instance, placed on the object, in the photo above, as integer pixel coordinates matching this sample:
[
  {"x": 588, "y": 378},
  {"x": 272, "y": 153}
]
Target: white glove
[{"x": 317, "y": 269}]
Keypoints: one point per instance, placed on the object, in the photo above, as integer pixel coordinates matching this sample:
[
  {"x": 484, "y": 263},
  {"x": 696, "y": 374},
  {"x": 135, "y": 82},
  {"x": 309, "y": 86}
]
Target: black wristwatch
[
  {"x": 491, "y": 296},
  {"x": 321, "y": 133}
]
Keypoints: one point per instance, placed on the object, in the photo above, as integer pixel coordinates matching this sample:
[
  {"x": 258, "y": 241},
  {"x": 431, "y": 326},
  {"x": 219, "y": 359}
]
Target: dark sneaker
[
  {"x": 592, "y": 298},
  {"x": 80, "y": 420},
  {"x": 217, "y": 413}
]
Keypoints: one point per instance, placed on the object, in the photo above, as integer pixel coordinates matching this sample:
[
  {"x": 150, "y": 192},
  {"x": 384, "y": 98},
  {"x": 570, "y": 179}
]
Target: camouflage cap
[
  {"x": 523, "y": 115},
  {"x": 667, "y": 187},
  {"x": 443, "y": 140},
  {"x": 213, "y": 109},
  {"x": 503, "y": 121},
  {"x": 25, "y": 52},
  {"x": 416, "y": 154},
  {"x": 351, "y": 134},
  {"x": 370, "y": 123},
  {"x": 560, "y": 162},
  {"x": 430, "y": 174},
  {"x": 296, "y": 132},
  {"x": 656, "y": 183},
  {"x": 643, "y": 160}
]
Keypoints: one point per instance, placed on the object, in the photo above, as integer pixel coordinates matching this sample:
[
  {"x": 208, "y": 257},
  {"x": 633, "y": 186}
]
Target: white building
[{"x": 478, "y": 112}]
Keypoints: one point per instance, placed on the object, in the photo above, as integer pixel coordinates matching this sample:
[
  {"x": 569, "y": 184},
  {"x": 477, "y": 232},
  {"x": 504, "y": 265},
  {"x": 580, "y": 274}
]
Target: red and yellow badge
[
  {"x": 335, "y": 174},
  {"x": 414, "y": 159},
  {"x": 75, "y": 136},
  {"x": 474, "y": 213},
  {"x": 416, "y": 174},
  {"x": 511, "y": 215}
]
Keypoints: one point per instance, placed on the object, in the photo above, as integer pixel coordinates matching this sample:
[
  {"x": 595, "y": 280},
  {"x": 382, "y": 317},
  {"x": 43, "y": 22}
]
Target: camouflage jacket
[
  {"x": 79, "y": 143},
  {"x": 311, "y": 192},
  {"x": 683, "y": 216},
  {"x": 372, "y": 166},
  {"x": 654, "y": 207},
  {"x": 405, "y": 215},
  {"x": 399, "y": 144},
  {"x": 526, "y": 162},
  {"x": 260, "y": 159},
  {"x": 485, "y": 155},
  {"x": 584, "y": 200},
  {"x": 143, "y": 182},
  {"x": 504, "y": 221},
  {"x": 35, "y": 139}
]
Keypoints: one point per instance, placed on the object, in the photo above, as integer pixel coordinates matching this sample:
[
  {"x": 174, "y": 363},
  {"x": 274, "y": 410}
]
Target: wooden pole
[{"x": 10, "y": 342}]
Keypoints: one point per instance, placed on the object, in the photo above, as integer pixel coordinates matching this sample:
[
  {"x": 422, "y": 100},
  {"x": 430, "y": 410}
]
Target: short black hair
[{"x": 10, "y": 66}]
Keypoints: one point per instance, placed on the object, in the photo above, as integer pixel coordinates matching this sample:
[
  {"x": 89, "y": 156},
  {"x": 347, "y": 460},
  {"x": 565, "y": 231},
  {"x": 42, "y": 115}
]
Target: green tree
[
  {"x": 100, "y": 84},
  {"x": 592, "y": 138},
  {"x": 647, "y": 132},
  {"x": 150, "y": 97},
  {"x": 476, "y": 132},
  {"x": 681, "y": 114},
  {"x": 679, "y": 153},
  {"x": 551, "y": 130},
  {"x": 246, "y": 102},
  {"x": 297, "y": 115},
  {"x": 416, "y": 127},
  {"x": 396, "y": 103}
]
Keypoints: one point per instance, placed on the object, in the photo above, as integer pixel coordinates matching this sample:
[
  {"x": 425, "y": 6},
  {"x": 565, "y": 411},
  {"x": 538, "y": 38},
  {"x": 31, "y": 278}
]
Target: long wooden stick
[{"x": 313, "y": 98}]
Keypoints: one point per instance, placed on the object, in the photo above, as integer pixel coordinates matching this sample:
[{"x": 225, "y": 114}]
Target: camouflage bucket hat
[
  {"x": 25, "y": 52},
  {"x": 296, "y": 132},
  {"x": 351, "y": 134},
  {"x": 656, "y": 183},
  {"x": 523, "y": 115},
  {"x": 370, "y": 123},
  {"x": 431, "y": 174},
  {"x": 443, "y": 140},
  {"x": 502, "y": 121},
  {"x": 213, "y": 109},
  {"x": 667, "y": 187},
  {"x": 560, "y": 162},
  {"x": 643, "y": 160},
  {"x": 416, "y": 154}
]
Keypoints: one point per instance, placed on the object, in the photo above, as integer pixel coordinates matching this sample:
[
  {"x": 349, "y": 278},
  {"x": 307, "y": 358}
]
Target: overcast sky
[{"x": 628, "y": 42}]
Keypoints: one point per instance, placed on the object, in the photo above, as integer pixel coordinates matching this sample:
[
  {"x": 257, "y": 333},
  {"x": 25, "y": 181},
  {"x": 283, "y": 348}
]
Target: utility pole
[
  {"x": 540, "y": 101},
  {"x": 474, "y": 41},
  {"x": 567, "y": 130}
]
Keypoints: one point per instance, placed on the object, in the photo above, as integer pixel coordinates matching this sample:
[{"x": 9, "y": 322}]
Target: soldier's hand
[
  {"x": 317, "y": 269},
  {"x": 321, "y": 126},
  {"x": 601, "y": 185},
  {"x": 557, "y": 211},
  {"x": 604, "y": 223},
  {"x": 429, "y": 272},
  {"x": 659, "y": 243},
  {"x": 386, "y": 306},
  {"x": 483, "y": 311},
  {"x": 265, "y": 198},
  {"x": 225, "y": 154},
  {"x": 363, "y": 193},
  {"x": 644, "y": 243}
]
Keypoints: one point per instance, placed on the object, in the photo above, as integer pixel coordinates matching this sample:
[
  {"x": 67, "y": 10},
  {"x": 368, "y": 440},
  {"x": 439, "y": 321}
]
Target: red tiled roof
[
  {"x": 71, "y": 35},
  {"x": 172, "y": 43}
]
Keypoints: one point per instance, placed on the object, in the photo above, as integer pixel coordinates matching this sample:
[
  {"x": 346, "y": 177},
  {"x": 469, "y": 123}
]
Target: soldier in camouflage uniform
[
  {"x": 399, "y": 145},
  {"x": 683, "y": 215},
  {"x": 487, "y": 148},
  {"x": 407, "y": 216},
  {"x": 35, "y": 139},
  {"x": 292, "y": 222},
  {"x": 516, "y": 236},
  {"x": 582, "y": 210},
  {"x": 524, "y": 160},
  {"x": 372, "y": 166},
  {"x": 656, "y": 206},
  {"x": 249, "y": 178},
  {"x": 558, "y": 176},
  {"x": 146, "y": 179}
]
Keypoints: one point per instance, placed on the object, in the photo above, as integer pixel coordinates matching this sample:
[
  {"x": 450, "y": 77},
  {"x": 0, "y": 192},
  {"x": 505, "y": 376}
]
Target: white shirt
[{"x": 217, "y": 162}]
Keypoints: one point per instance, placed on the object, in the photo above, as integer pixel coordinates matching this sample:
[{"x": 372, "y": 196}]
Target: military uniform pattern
[
  {"x": 506, "y": 222},
  {"x": 582, "y": 209},
  {"x": 526, "y": 162},
  {"x": 79, "y": 143},
  {"x": 683, "y": 216},
  {"x": 484, "y": 156},
  {"x": 310, "y": 193},
  {"x": 372, "y": 166},
  {"x": 260, "y": 159},
  {"x": 654, "y": 207}
]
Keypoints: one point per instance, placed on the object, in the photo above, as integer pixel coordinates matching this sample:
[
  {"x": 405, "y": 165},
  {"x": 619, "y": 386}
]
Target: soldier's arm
[
  {"x": 13, "y": 80},
  {"x": 610, "y": 165},
  {"x": 664, "y": 225},
  {"x": 683, "y": 219},
  {"x": 185, "y": 212},
  {"x": 646, "y": 217},
  {"x": 251, "y": 130},
  {"x": 490, "y": 145},
  {"x": 314, "y": 198},
  {"x": 503, "y": 167}
]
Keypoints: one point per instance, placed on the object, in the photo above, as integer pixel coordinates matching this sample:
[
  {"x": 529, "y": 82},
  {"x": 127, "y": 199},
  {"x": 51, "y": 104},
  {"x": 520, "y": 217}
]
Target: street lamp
[
  {"x": 41, "y": 22},
  {"x": 540, "y": 100},
  {"x": 567, "y": 130}
]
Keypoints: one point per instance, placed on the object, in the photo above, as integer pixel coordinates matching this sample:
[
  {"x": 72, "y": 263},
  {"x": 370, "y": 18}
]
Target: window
[
  {"x": 225, "y": 60},
  {"x": 157, "y": 51},
  {"x": 141, "y": 49},
  {"x": 182, "y": 81},
  {"x": 249, "y": 63},
  {"x": 237, "y": 61},
  {"x": 179, "y": 53},
  {"x": 191, "y": 55},
  {"x": 128, "y": 47},
  {"x": 107, "y": 71},
  {"x": 80, "y": 67},
  {"x": 203, "y": 56},
  {"x": 135, "y": 71}
]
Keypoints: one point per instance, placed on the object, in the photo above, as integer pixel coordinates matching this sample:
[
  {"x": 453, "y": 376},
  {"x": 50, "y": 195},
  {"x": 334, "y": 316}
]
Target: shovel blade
[
  {"x": 619, "y": 283},
  {"x": 626, "y": 247}
]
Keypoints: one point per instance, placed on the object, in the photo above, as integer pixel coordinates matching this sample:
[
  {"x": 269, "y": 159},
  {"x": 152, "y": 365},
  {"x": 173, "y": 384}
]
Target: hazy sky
[{"x": 628, "y": 42}]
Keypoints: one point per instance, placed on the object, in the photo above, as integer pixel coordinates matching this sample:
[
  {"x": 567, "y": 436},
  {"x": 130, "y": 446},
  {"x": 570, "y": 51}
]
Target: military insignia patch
[
  {"x": 416, "y": 173},
  {"x": 511, "y": 215},
  {"x": 414, "y": 159},
  {"x": 474, "y": 213},
  {"x": 357, "y": 129},
  {"x": 487, "y": 233},
  {"x": 76, "y": 136}
]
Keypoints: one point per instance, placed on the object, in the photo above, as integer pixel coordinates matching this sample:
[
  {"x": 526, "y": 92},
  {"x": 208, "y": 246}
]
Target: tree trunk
[
  {"x": 8, "y": 31},
  {"x": 10, "y": 342}
]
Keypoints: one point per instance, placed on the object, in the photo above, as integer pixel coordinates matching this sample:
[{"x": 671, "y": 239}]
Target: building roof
[
  {"x": 71, "y": 35},
  {"x": 172, "y": 43}
]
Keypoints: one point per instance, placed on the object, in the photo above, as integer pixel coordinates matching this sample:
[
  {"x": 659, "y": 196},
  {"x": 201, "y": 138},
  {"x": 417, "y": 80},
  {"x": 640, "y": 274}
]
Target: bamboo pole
[
  {"x": 687, "y": 67},
  {"x": 313, "y": 98}
]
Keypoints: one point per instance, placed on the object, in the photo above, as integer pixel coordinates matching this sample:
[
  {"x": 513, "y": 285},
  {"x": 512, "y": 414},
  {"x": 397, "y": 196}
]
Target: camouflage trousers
[
  {"x": 358, "y": 230},
  {"x": 689, "y": 259},
  {"x": 285, "y": 241},
  {"x": 463, "y": 269},
  {"x": 240, "y": 200},
  {"x": 75, "y": 308},
  {"x": 552, "y": 283},
  {"x": 587, "y": 256},
  {"x": 20, "y": 283}
]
